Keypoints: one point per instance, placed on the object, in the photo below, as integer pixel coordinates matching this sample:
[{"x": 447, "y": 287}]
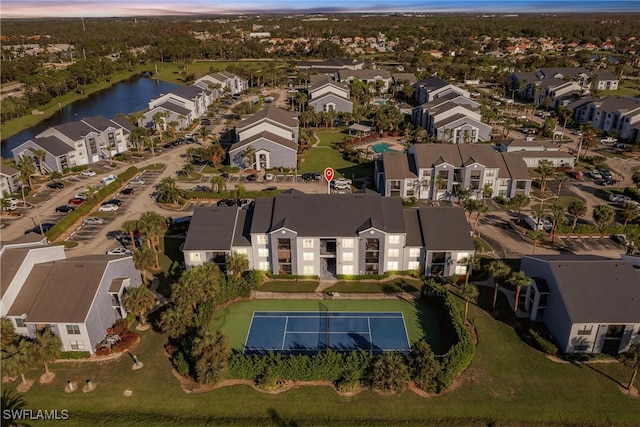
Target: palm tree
[
  {"x": 577, "y": 209},
  {"x": 588, "y": 139},
  {"x": 158, "y": 121},
  {"x": 237, "y": 263},
  {"x": 249, "y": 156},
  {"x": 138, "y": 300},
  {"x": 152, "y": 225},
  {"x": 212, "y": 351},
  {"x": 40, "y": 154},
  {"x": 499, "y": 270},
  {"x": 203, "y": 132},
  {"x": 521, "y": 200},
  {"x": 18, "y": 358},
  {"x": 7, "y": 331},
  {"x": 173, "y": 124},
  {"x": 603, "y": 215},
  {"x": 481, "y": 209},
  {"x": 518, "y": 279},
  {"x": 557, "y": 218},
  {"x": 48, "y": 347},
  {"x": 187, "y": 169},
  {"x": 629, "y": 212},
  {"x": 545, "y": 167},
  {"x": 389, "y": 372},
  {"x": 468, "y": 292},
  {"x": 631, "y": 357},
  {"x": 175, "y": 321},
  {"x": 218, "y": 183},
  {"x": 144, "y": 259},
  {"x": 27, "y": 168},
  {"x": 565, "y": 114},
  {"x": 130, "y": 228}
]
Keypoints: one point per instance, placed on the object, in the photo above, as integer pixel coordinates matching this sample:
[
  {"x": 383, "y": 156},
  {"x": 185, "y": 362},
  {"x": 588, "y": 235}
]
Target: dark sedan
[
  {"x": 65, "y": 208},
  {"x": 46, "y": 226},
  {"x": 56, "y": 185},
  {"x": 116, "y": 202},
  {"x": 127, "y": 190}
]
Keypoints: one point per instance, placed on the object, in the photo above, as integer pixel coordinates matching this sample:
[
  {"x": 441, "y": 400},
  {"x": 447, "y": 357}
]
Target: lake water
[{"x": 124, "y": 97}]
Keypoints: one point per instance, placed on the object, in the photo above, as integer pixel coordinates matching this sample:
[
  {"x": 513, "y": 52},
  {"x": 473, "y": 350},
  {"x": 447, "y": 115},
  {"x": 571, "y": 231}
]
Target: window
[
  {"x": 263, "y": 252},
  {"x": 462, "y": 256},
  {"x": 394, "y": 239},
  {"x": 307, "y": 243},
  {"x": 347, "y": 243},
  {"x": 393, "y": 253},
  {"x": 242, "y": 251},
  {"x": 19, "y": 322},
  {"x": 77, "y": 345},
  {"x": 262, "y": 239},
  {"x": 581, "y": 346},
  {"x": 347, "y": 256},
  {"x": 392, "y": 266},
  {"x": 73, "y": 329},
  {"x": 490, "y": 172},
  {"x": 461, "y": 269},
  {"x": 585, "y": 330},
  {"x": 347, "y": 269},
  {"x": 413, "y": 265},
  {"x": 194, "y": 256},
  {"x": 307, "y": 256},
  {"x": 263, "y": 265},
  {"x": 308, "y": 270},
  {"x": 414, "y": 252}
]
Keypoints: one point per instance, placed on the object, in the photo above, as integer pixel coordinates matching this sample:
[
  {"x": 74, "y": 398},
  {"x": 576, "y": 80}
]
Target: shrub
[
  {"x": 75, "y": 355},
  {"x": 543, "y": 344},
  {"x": 254, "y": 278},
  {"x": 460, "y": 355}
]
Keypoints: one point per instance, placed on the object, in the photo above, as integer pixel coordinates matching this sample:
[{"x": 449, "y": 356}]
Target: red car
[{"x": 76, "y": 201}]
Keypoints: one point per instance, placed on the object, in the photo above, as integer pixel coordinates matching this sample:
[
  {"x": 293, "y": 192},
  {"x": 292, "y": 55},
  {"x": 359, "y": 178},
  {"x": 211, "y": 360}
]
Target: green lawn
[
  {"x": 330, "y": 138},
  {"x": 289, "y": 286},
  {"x": 507, "y": 384},
  {"x": 319, "y": 158},
  {"x": 388, "y": 286}
]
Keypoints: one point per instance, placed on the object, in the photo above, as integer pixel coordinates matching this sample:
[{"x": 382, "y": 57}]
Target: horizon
[{"x": 37, "y": 9}]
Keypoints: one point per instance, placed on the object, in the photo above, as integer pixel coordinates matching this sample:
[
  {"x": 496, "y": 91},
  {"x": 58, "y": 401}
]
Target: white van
[
  {"x": 108, "y": 179},
  {"x": 543, "y": 224}
]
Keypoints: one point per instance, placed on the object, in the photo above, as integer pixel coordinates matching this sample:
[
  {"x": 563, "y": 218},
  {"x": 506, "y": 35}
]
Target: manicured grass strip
[
  {"x": 330, "y": 138},
  {"x": 390, "y": 286},
  {"x": 289, "y": 286}
]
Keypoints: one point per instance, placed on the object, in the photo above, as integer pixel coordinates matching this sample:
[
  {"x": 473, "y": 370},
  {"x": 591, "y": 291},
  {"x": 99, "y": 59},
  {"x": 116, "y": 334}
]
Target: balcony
[
  {"x": 284, "y": 256},
  {"x": 328, "y": 247}
]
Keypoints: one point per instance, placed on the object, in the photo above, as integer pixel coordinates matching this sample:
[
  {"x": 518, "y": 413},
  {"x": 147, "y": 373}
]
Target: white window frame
[
  {"x": 307, "y": 256},
  {"x": 347, "y": 269},
  {"x": 462, "y": 256},
  {"x": 393, "y": 266},
  {"x": 195, "y": 257},
  {"x": 393, "y": 252},
  {"x": 262, "y": 239},
  {"x": 73, "y": 329},
  {"x": 263, "y": 252},
  {"x": 347, "y": 243},
  {"x": 347, "y": 256},
  {"x": 461, "y": 269},
  {"x": 307, "y": 243},
  {"x": 242, "y": 251},
  {"x": 77, "y": 345},
  {"x": 414, "y": 252},
  {"x": 394, "y": 239},
  {"x": 413, "y": 265},
  {"x": 263, "y": 265},
  {"x": 308, "y": 270}
]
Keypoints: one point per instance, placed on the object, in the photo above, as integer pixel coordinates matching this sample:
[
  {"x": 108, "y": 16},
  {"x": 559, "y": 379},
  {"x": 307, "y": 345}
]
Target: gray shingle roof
[
  {"x": 187, "y": 91},
  {"x": 412, "y": 227},
  {"x": 277, "y": 139},
  {"x": 432, "y": 83},
  {"x": 445, "y": 228},
  {"x": 100, "y": 123},
  {"x": 364, "y": 74},
  {"x": 75, "y": 130},
  {"x": 274, "y": 114},
  {"x": 171, "y": 106},
  {"x": 212, "y": 228},
  {"x": 61, "y": 291},
  {"x": 324, "y": 215},
  {"x": 123, "y": 123},
  {"x": 7, "y": 170},
  {"x": 396, "y": 166},
  {"x": 596, "y": 289},
  {"x": 53, "y": 145}
]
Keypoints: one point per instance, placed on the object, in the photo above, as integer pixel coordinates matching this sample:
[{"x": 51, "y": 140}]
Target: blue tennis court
[{"x": 309, "y": 332}]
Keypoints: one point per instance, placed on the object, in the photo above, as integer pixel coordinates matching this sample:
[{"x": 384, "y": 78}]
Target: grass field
[
  {"x": 395, "y": 285},
  {"x": 289, "y": 286},
  {"x": 330, "y": 138},
  {"x": 508, "y": 384},
  {"x": 322, "y": 156}
]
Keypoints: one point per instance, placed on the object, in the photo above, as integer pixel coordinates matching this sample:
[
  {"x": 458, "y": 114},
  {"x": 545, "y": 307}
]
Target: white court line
[
  {"x": 249, "y": 331},
  {"x": 284, "y": 334},
  {"x": 370, "y": 338}
]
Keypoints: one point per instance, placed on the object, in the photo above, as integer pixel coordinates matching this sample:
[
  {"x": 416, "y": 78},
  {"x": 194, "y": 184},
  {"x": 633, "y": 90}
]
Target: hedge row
[
  {"x": 543, "y": 344},
  {"x": 322, "y": 366},
  {"x": 413, "y": 273},
  {"x": 86, "y": 207},
  {"x": 460, "y": 355}
]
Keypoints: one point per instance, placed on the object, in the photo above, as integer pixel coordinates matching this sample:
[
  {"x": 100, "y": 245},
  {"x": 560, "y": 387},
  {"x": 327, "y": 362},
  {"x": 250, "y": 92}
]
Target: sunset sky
[{"x": 107, "y": 8}]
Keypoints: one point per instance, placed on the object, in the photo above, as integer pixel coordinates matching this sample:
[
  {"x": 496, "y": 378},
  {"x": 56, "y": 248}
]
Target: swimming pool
[{"x": 382, "y": 147}]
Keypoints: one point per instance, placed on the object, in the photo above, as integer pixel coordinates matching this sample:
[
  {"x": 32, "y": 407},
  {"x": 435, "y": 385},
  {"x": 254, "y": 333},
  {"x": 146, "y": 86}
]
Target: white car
[
  {"x": 595, "y": 174},
  {"x": 268, "y": 177},
  {"x": 608, "y": 140},
  {"x": 88, "y": 172},
  {"x": 342, "y": 181},
  {"x": 108, "y": 208},
  {"x": 137, "y": 181},
  {"x": 119, "y": 251},
  {"x": 83, "y": 196},
  {"x": 619, "y": 198},
  {"x": 93, "y": 221}
]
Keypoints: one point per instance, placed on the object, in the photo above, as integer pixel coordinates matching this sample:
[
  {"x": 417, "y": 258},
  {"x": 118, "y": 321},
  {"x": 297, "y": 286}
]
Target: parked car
[
  {"x": 88, "y": 172},
  {"x": 577, "y": 175},
  {"x": 127, "y": 191},
  {"x": 137, "y": 181},
  {"x": 46, "y": 226},
  {"x": 268, "y": 177},
  {"x": 76, "y": 201},
  {"x": 83, "y": 196},
  {"x": 605, "y": 174},
  {"x": 108, "y": 208},
  {"x": 608, "y": 140},
  {"x": 125, "y": 240},
  {"x": 595, "y": 174},
  {"x": 606, "y": 182},
  {"x": 252, "y": 177},
  {"x": 618, "y": 198},
  {"x": 535, "y": 224},
  {"x": 65, "y": 208},
  {"x": 270, "y": 189},
  {"x": 93, "y": 221},
  {"x": 55, "y": 185},
  {"x": 620, "y": 145},
  {"x": 108, "y": 179},
  {"x": 620, "y": 238},
  {"x": 343, "y": 181},
  {"x": 117, "y": 202},
  {"x": 119, "y": 251}
]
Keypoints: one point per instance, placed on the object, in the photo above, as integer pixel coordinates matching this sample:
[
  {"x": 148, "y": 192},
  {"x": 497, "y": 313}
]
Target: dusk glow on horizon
[{"x": 121, "y": 8}]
